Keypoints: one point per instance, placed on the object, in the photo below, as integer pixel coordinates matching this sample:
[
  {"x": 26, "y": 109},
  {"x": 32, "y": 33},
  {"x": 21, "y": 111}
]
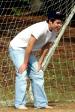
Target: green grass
[{"x": 60, "y": 84}]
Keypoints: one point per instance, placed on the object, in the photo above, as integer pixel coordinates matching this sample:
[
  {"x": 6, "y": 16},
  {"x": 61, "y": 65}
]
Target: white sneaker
[
  {"x": 46, "y": 107},
  {"x": 22, "y": 107}
]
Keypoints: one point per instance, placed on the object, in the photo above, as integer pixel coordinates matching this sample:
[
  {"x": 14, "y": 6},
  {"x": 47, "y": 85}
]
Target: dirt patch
[{"x": 69, "y": 107}]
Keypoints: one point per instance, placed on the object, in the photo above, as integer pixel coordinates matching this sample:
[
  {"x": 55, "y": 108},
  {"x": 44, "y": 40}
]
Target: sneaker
[
  {"x": 22, "y": 107},
  {"x": 47, "y": 107}
]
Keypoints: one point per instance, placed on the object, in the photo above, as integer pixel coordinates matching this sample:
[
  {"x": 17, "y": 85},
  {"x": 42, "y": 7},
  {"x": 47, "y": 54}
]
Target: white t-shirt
[{"x": 39, "y": 30}]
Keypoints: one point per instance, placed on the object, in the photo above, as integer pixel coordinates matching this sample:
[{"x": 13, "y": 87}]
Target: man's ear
[{"x": 50, "y": 22}]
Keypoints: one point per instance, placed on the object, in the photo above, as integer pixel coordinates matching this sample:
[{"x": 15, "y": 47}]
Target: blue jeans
[{"x": 37, "y": 79}]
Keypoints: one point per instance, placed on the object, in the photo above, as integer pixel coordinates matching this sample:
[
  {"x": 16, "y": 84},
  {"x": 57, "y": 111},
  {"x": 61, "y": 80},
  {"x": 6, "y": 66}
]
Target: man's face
[{"x": 56, "y": 25}]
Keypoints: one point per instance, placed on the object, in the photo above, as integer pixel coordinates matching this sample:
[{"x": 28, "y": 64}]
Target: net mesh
[{"x": 60, "y": 73}]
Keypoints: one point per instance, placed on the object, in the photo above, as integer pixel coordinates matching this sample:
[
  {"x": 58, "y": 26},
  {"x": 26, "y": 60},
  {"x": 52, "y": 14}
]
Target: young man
[{"x": 22, "y": 47}]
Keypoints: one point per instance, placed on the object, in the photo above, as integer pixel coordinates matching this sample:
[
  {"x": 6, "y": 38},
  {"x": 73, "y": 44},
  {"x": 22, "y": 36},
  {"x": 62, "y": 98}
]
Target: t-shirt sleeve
[{"x": 37, "y": 31}]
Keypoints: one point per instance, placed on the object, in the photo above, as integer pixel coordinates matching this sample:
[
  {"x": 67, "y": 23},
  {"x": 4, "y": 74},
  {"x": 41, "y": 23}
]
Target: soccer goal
[{"x": 59, "y": 64}]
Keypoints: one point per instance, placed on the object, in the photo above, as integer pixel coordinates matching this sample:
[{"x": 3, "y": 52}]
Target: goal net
[{"x": 16, "y": 15}]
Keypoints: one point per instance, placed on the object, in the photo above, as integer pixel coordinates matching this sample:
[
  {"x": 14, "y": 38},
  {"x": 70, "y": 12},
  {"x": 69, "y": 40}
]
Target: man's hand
[{"x": 22, "y": 68}]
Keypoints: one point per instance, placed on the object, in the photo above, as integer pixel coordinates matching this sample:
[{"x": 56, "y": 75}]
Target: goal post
[{"x": 59, "y": 64}]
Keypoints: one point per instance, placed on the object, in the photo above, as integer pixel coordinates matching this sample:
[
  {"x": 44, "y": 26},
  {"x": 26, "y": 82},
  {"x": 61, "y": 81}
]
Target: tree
[{"x": 35, "y": 5}]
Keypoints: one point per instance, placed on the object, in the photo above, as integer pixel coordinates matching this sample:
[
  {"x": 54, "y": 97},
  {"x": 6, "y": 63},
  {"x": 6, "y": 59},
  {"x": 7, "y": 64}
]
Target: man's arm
[
  {"x": 44, "y": 51},
  {"x": 28, "y": 51}
]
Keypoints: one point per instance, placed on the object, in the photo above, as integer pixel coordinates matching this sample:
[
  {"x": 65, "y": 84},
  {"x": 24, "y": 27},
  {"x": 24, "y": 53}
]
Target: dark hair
[{"x": 53, "y": 15}]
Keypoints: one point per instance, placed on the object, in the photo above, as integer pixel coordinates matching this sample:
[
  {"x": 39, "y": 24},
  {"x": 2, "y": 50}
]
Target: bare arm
[
  {"x": 44, "y": 51},
  {"x": 29, "y": 48},
  {"x": 28, "y": 51}
]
